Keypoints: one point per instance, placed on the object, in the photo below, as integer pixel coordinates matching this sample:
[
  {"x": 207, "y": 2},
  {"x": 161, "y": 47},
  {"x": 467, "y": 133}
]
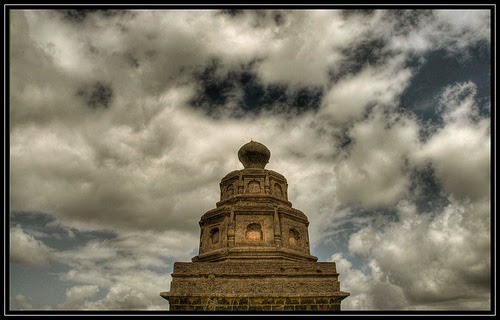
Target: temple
[{"x": 254, "y": 251}]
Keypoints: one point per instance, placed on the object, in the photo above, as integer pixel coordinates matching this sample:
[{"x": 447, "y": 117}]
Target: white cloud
[
  {"x": 374, "y": 172},
  {"x": 452, "y": 30},
  {"x": 303, "y": 50},
  {"x": 78, "y": 296},
  {"x": 131, "y": 269},
  {"x": 349, "y": 98},
  {"x": 140, "y": 296},
  {"x": 460, "y": 152},
  {"x": 26, "y": 250},
  {"x": 148, "y": 166},
  {"x": 460, "y": 28},
  {"x": 135, "y": 157},
  {"x": 425, "y": 261},
  {"x": 20, "y": 302}
]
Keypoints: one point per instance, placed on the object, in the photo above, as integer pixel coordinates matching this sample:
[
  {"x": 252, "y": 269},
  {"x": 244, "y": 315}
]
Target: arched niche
[
  {"x": 254, "y": 186},
  {"x": 253, "y": 232},
  {"x": 293, "y": 237},
  {"x": 214, "y": 235}
]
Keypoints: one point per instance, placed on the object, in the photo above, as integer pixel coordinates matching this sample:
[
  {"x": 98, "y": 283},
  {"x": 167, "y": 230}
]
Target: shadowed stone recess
[{"x": 254, "y": 251}]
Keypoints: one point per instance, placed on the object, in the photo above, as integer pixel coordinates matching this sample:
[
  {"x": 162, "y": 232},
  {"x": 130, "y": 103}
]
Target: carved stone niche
[
  {"x": 293, "y": 237},
  {"x": 254, "y": 229},
  {"x": 253, "y": 186},
  {"x": 213, "y": 231},
  {"x": 253, "y": 232},
  {"x": 214, "y": 235},
  {"x": 229, "y": 190},
  {"x": 277, "y": 190}
]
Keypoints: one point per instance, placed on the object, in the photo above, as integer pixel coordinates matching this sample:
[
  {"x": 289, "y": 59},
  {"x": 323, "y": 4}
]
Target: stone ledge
[
  {"x": 253, "y": 254},
  {"x": 321, "y": 298},
  {"x": 260, "y": 267}
]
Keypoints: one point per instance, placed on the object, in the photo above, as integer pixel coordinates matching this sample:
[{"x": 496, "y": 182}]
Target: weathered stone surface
[
  {"x": 254, "y": 250},
  {"x": 254, "y": 155},
  {"x": 231, "y": 303}
]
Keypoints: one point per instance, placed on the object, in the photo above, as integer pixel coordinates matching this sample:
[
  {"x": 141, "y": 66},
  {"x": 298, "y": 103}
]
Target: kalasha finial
[{"x": 254, "y": 155}]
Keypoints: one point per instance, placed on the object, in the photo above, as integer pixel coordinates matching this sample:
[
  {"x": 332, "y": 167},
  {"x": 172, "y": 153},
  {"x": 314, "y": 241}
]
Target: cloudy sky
[{"x": 122, "y": 123}]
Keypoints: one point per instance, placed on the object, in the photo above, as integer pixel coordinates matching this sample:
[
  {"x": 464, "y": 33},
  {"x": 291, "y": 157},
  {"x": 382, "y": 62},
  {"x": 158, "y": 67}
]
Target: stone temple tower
[{"x": 254, "y": 250}]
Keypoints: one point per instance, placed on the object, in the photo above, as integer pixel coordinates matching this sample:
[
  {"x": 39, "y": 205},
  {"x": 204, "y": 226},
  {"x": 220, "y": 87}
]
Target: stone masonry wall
[
  {"x": 199, "y": 303},
  {"x": 263, "y": 286}
]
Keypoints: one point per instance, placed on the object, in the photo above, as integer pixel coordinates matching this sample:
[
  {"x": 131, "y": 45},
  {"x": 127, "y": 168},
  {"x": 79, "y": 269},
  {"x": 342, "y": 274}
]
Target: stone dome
[{"x": 254, "y": 155}]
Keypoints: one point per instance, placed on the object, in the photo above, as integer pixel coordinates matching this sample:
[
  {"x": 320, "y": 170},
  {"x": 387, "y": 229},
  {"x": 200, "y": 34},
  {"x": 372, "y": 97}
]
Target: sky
[{"x": 123, "y": 122}]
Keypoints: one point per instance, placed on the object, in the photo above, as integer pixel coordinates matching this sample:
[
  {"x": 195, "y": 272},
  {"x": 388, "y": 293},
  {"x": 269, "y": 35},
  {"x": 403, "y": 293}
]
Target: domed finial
[{"x": 254, "y": 155}]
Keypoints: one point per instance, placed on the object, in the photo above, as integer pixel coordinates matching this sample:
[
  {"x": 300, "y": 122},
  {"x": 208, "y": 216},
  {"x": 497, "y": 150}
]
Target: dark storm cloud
[
  {"x": 279, "y": 18},
  {"x": 346, "y": 14},
  {"x": 369, "y": 52},
  {"x": 240, "y": 92},
  {"x": 79, "y": 15},
  {"x": 426, "y": 190},
  {"x": 406, "y": 21},
  {"x": 132, "y": 60},
  {"x": 97, "y": 95},
  {"x": 233, "y": 12},
  {"x": 30, "y": 218},
  {"x": 75, "y": 15},
  {"x": 343, "y": 138},
  {"x": 45, "y": 227},
  {"x": 260, "y": 18}
]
